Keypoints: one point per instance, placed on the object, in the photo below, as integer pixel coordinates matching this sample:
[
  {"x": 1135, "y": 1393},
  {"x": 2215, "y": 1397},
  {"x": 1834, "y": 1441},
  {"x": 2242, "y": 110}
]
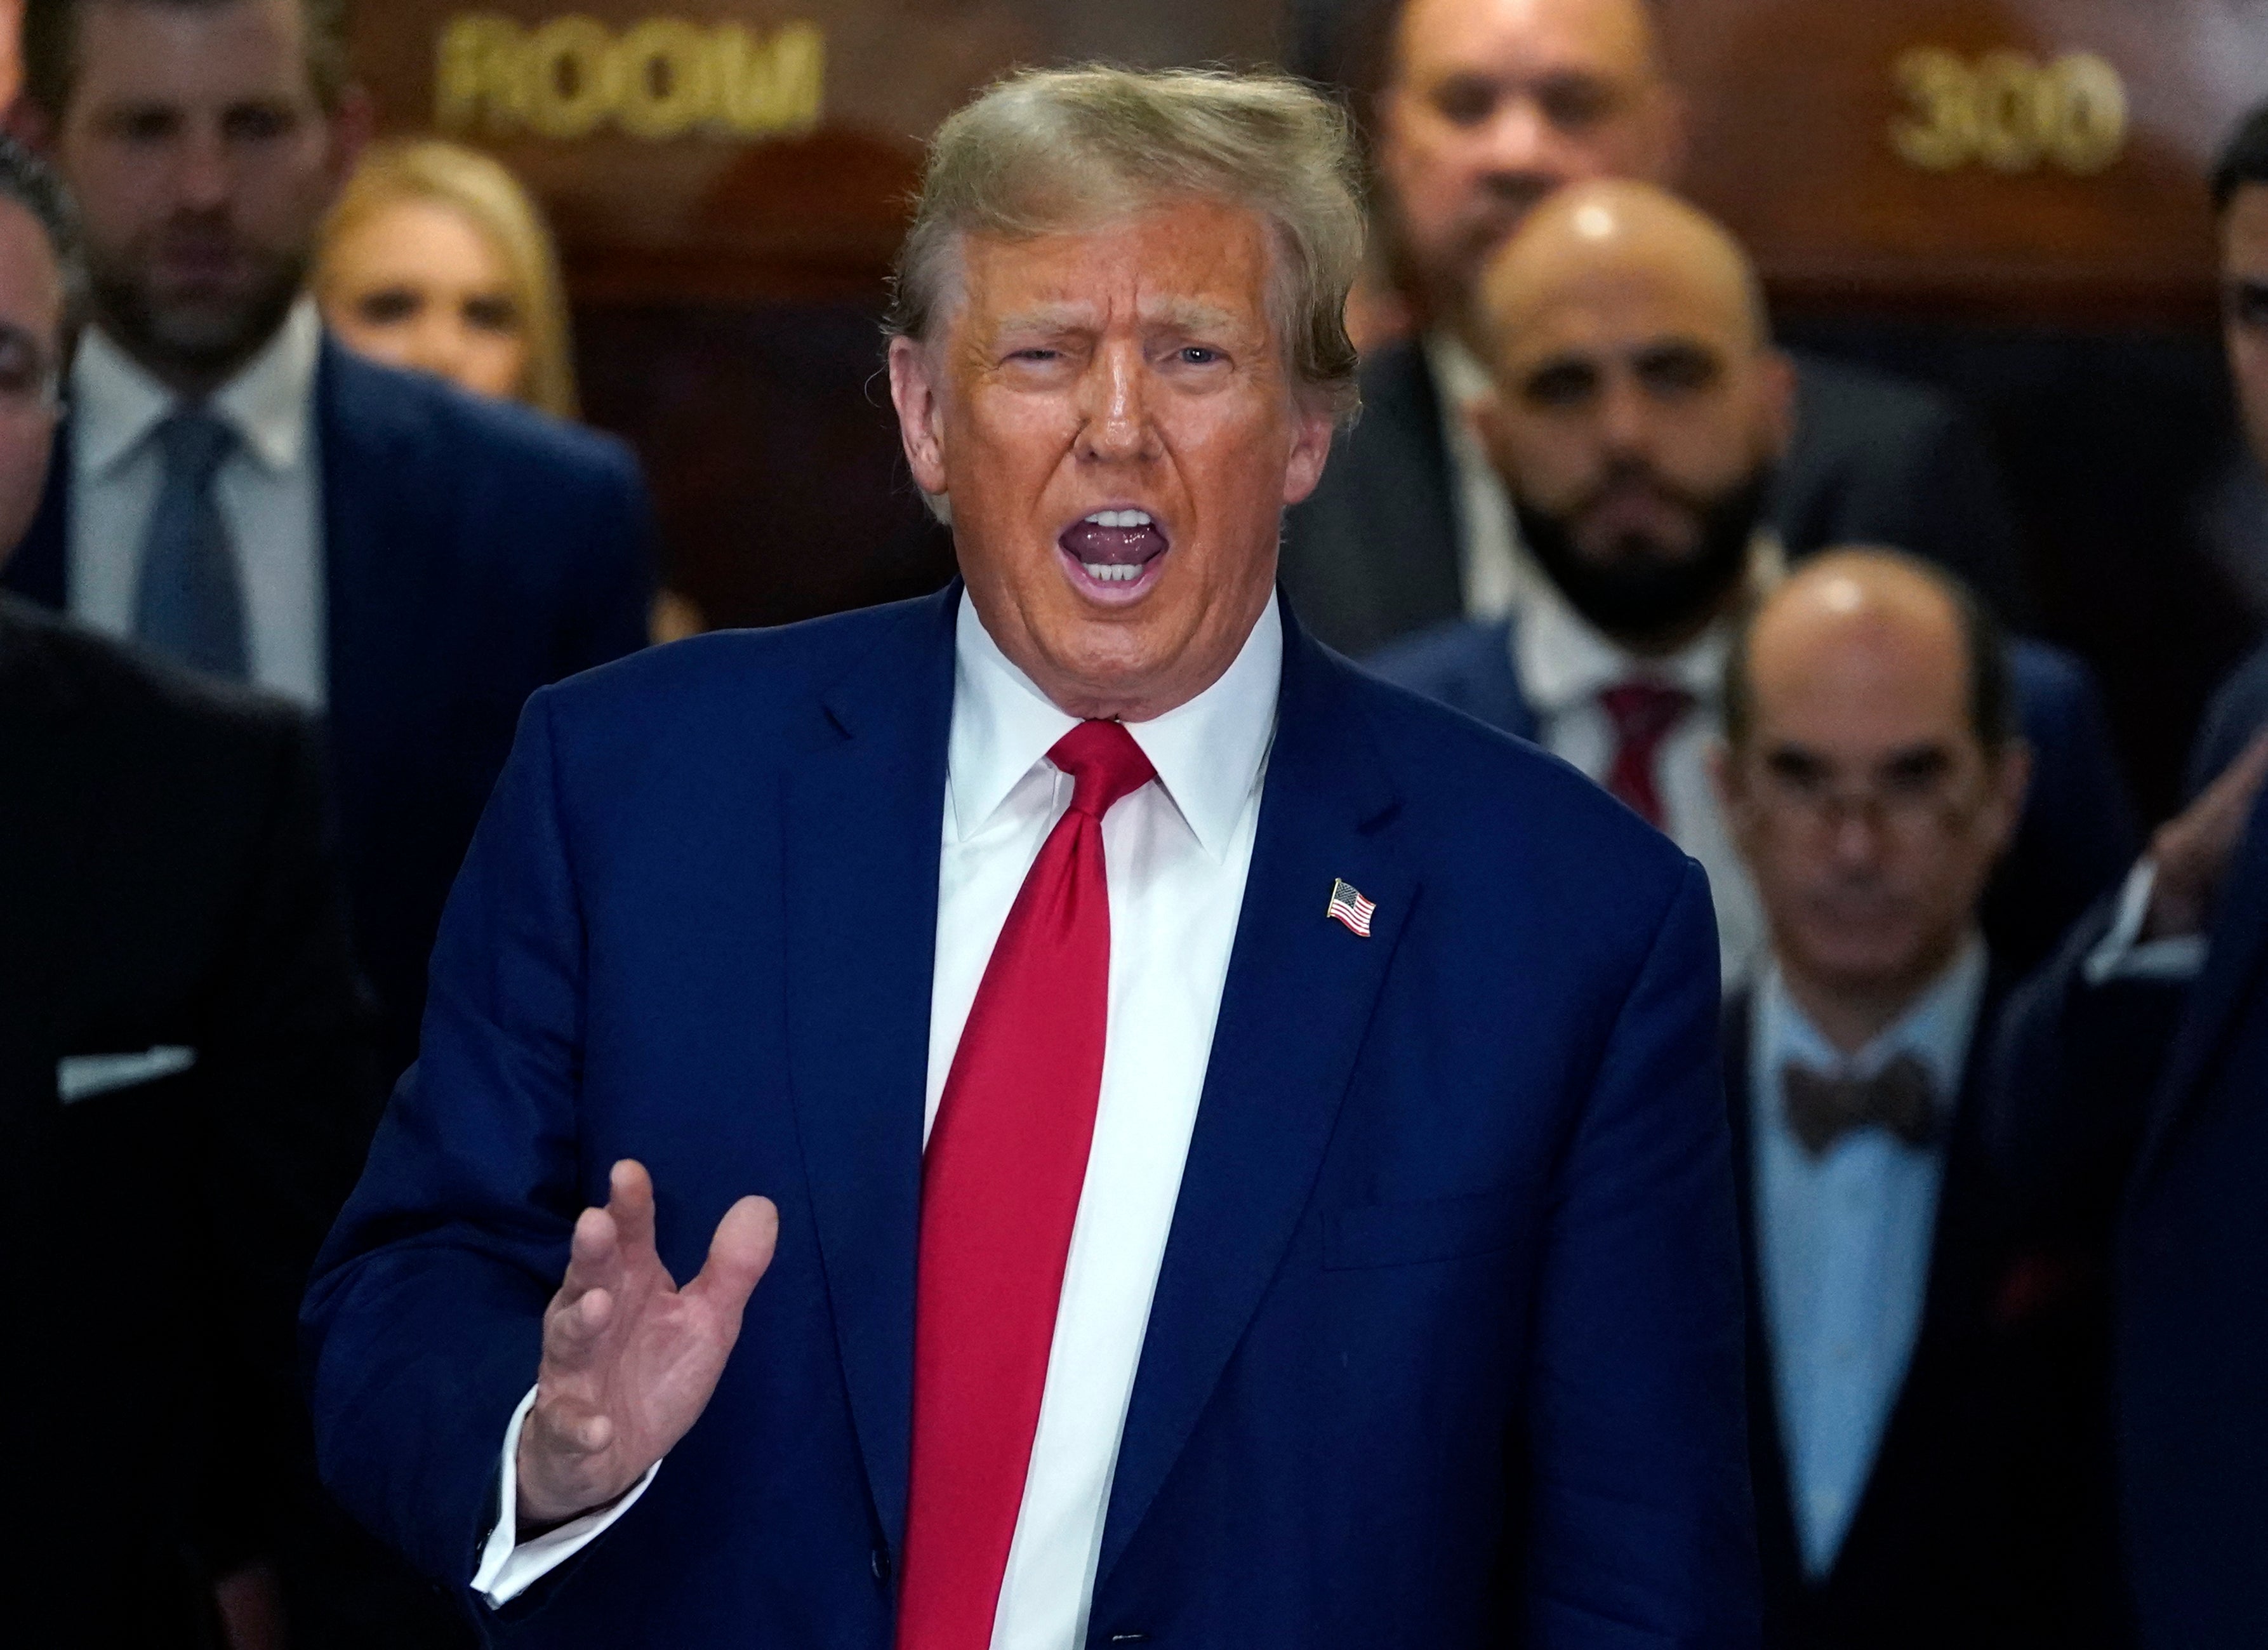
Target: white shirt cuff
[
  {"x": 510, "y": 1567},
  {"x": 2123, "y": 954}
]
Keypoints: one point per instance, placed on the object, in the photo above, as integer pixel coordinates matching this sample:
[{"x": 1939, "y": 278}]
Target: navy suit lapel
[
  {"x": 39, "y": 569},
  {"x": 369, "y": 471},
  {"x": 2240, "y": 934},
  {"x": 1297, "y": 1003},
  {"x": 863, "y": 817}
]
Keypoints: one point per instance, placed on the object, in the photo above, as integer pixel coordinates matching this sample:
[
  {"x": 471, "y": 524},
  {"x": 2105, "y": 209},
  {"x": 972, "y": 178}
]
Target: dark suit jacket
[
  {"x": 169, "y": 885},
  {"x": 2076, "y": 836},
  {"x": 1446, "y": 1345},
  {"x": 1373, "y": 555},
  {"x": 473, "y": 552},
  {"x": 2140, "y": 1110},
  {"x": 1985, "y": 1518}
]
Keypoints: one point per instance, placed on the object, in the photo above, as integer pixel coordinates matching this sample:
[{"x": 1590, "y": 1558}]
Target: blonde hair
[
  {"x": 1048, "y": 150},
  {"x": 492, "y": 200}
]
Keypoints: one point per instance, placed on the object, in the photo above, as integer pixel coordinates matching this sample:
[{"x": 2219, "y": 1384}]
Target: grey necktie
[{"x": 189, "y": 605}]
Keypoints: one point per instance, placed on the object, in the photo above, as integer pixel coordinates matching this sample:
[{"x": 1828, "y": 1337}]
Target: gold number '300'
[{"x": 2008, "y": 112}]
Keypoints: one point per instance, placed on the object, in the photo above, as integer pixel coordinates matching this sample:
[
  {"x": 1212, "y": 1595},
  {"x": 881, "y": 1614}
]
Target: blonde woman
[{"x": 436, "y": 258}]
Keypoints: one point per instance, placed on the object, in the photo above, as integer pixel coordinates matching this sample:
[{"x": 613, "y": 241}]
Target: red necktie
[
  {"x": 1643, "y": 713},
  {"x": 1000, "y": 1187}
]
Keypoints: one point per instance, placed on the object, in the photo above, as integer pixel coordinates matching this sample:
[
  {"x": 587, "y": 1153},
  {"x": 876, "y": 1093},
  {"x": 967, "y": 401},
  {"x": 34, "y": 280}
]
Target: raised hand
[
  {"x": 2193, "y": 849},
  {"x": 629, "y": 1358}
]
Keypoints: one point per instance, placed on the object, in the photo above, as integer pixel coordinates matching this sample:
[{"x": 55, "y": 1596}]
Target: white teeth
[
  {"x": 1121, "y": 519},
  {"x": 1111, "y": 574}
]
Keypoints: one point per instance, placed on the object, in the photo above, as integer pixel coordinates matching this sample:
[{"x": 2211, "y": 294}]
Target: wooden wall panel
[
  {"x": 1808, "y": 114},
  {"x": 722, "y": 216}
]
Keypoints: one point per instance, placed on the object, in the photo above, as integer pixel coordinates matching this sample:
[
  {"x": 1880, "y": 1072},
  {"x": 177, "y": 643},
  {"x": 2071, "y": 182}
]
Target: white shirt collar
[
  {"x": 116, "y": 404},
  {"x": 1209, "y": 753},
  {"x": 1562, "y": 658},
  {"x": 1457, "y": 369},
  {"x": 1936, "y": 1027}
]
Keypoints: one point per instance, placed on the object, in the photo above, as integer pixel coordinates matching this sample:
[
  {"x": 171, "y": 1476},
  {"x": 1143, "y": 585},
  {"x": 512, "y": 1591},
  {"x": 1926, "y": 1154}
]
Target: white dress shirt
[
  {"x": 1176, "y": 852},
  {"x": 269, "y": 490},
  {"x": 1844, "y": 1243},
  {"x": 1563, "y": 662}
]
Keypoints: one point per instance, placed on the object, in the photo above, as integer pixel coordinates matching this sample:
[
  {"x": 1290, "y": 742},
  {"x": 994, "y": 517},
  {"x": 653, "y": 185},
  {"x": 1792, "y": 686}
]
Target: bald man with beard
[
  {"x": 1486, "y": 108},
  {"x": 1637, "y": 412}
]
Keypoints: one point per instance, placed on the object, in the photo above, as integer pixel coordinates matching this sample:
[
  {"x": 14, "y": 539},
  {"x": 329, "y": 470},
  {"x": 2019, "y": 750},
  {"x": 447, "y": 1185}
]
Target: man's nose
[
  {"x": 1625, "y": 416},
  {"x": 1115, "y": 424},
  {"x": 1523, "y": 143},
  {"x": 202, "y": 179},
  {"x": 1857, "y": 840}
]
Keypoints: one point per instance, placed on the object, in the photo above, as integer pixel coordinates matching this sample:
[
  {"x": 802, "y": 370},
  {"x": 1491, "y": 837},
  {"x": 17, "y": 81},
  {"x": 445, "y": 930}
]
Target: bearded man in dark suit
[{"x": 1487, "y": 107}]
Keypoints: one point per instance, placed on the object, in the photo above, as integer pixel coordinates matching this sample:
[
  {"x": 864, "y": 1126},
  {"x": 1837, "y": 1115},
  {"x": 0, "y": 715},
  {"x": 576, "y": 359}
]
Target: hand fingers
[
  {"x": 738, "y": 1255},
  {"x": 563, "y": 1427},
  {"x": 630, "y": 1199},
  {"x": 571, "y": 1330},
  {"x": 593, "y": 1258}
]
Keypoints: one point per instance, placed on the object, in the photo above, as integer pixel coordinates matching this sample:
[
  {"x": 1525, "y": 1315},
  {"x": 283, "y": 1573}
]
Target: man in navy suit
[
  {"x": 236, "y": 492},
  {"x": 1324, "y": 1230},
  {"x": 1925, "y": 1377},
  {"x": 2132, "y": 1100},
  {"x": 1637, "y": 414}
]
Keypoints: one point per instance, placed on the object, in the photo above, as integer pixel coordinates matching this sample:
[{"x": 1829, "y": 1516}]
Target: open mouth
[{"x": 1113, "y": 555}]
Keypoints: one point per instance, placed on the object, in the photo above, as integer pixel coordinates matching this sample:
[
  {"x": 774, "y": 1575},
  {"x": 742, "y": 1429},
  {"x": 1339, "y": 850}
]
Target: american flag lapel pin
[{"x": 1348, "y": 906}]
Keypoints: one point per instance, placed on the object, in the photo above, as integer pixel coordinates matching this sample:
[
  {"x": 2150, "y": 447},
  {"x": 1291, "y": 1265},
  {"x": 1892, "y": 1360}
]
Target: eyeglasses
[
  {"x": 30, "y": 379},
  {"x": 1924, "y": 798}
]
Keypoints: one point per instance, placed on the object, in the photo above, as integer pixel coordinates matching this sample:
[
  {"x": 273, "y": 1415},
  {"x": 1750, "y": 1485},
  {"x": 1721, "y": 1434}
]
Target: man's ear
[
  {"x": 1486, "y": 415},
  {"x": 2012, "y": 782},
  {"x": 1673, "y": 134},
  {"x": 1312, "y": 425},
  {"x": 1777, "y": 387},
  {"x": 917, "y": 393},
  {"x": 30, "y": 124}
]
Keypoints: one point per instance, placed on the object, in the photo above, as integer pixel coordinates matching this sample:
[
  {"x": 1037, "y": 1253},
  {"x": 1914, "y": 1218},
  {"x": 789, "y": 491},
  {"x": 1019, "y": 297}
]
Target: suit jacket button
[{"x": 878, "y": 1561}]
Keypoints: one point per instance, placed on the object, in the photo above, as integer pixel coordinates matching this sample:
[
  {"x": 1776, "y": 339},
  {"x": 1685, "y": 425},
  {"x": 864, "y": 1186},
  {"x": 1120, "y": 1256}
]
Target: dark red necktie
[
  {"x": 1644, "y": 713},
  {"x": 1000, "y": 1186}
]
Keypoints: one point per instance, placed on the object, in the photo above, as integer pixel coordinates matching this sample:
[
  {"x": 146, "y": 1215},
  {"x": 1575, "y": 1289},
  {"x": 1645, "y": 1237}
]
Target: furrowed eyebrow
[
  {"x": 1054, "y": 317},
  {"x": 1191, "y": 317}
]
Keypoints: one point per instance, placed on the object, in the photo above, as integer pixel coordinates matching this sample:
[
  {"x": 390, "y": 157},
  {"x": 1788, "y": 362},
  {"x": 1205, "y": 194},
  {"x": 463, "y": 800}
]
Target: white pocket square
[{"x": 83, "y": 1075}]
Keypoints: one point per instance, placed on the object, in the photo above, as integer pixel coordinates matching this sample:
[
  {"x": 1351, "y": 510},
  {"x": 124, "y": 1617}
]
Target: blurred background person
[
  {"x": 185, "y": 1081},
  {"x": 1925, "y": 1421},
  {"x": 435, "y": 258},
  {"x": 1487, "y": 107},
  {"x": 1638, "y": 415},
  {"x": 2133, "y": 1103},
  {"x": 237, "y": 492}
]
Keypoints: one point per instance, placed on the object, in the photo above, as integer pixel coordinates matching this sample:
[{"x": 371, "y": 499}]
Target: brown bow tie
[{"x": 1822, "y": 1109}]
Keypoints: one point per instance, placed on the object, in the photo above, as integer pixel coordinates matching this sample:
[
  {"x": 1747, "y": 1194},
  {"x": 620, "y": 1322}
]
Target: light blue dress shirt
[{"x": 1844, "y": 1245}]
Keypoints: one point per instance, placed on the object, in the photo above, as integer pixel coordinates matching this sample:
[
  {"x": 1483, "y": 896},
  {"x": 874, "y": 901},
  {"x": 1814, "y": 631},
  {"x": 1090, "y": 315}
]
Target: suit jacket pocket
[
  {"x": 1436, "y": 1229},
  {"x": 84, "y": 1076}
]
